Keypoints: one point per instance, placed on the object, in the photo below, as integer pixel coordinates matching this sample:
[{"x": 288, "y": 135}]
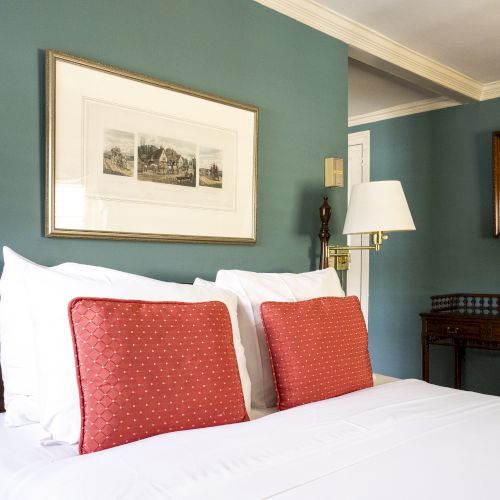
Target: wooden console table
[{"x": 461, "y": 320}]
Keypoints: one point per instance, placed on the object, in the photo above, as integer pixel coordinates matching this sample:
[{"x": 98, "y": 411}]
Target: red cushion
[
  {"x": 147, "y": 368},
  {"x": 318, "y": 349}
]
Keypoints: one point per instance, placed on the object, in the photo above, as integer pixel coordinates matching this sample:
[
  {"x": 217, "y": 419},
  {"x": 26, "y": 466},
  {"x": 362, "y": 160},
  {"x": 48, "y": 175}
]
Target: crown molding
[
  {"x": 411, "y": 108},
  {"x": 362, "y": 39},
  {"x": 491, "y": 90}
]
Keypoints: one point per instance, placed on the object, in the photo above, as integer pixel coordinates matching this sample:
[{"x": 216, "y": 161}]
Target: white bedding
[
  {"x": 404, "y": 440},
  {"x": 20, "y": 451}
]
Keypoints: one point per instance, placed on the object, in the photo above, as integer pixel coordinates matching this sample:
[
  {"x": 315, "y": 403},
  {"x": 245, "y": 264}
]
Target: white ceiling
[
  {"x": 461, "y": 34},
  {"x": 407, "y": 56},
  {"x": 371, "y": 90}
]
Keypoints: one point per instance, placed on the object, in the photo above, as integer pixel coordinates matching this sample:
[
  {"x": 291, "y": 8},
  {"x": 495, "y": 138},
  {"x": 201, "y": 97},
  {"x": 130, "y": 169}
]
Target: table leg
[
  {"x": 425, "y": 360},
  {"x": 459, "y": 355}
]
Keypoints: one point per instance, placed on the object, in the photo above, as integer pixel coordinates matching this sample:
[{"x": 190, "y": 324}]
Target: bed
[{"x": 400, "y": 439}]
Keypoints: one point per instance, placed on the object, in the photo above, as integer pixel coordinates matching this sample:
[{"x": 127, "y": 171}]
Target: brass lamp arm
[
  {"x": 339, "y": 256},
  {"x": 333, "y": 248}
]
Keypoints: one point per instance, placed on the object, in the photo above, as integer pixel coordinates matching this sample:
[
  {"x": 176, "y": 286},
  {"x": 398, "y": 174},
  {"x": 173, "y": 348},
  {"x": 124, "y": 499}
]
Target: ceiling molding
[
  {"x": 490, "y": 91},
  {"x": 383, "y": 52},
  {"x": 411, "y": 108}
]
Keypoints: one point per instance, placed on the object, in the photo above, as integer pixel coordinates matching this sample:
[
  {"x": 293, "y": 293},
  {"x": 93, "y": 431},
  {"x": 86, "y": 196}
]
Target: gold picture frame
[
  {"x": 496, "y": 182},
  {"x": 133, "y": 157}
]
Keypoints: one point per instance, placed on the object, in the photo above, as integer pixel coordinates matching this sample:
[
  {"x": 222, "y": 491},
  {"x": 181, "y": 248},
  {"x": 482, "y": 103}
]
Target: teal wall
[
  {"x": 233, "y": 48},
  {"x": 443, "y": 159},
  {"x": 298, "y": 78},
  {"x": 399, "y": 280}
]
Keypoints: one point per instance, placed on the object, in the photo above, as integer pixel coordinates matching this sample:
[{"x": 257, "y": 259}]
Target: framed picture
[
  {"x": 496, "y": 183},
  {"x": 132, "y": 157}
]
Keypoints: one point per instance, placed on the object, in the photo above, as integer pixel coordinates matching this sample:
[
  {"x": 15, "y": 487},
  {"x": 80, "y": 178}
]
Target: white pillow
[
  {"x": 50, "y": 293},
  {"x": 253, "y": 289},
  {"x": 202, "y": 282},
  {"x": 240, "y": 352},
  {"x": 17, "y": 336},
  {"x": 17, "y": 342}
]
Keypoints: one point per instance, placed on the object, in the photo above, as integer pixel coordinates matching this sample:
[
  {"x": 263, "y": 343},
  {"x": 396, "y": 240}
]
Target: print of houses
[
  {"x": 158, "y": 156},
  {"x": 165, "y": 156}
]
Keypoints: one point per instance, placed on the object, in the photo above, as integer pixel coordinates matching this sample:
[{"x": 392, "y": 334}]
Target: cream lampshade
[
  {"x": 378, "y": 207},
  {"x": 375, "y": 208}
]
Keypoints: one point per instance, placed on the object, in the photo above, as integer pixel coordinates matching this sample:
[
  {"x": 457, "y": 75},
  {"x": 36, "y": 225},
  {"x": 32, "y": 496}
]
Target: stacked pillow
[
  {"x": 252, "y": 290},
  {"x": 44, "y": 352},
  {"x": 150, "y": 341},
  {"x": 17, "y": 338},
  {"x": 318, "y": 349},
  {"x": 147, "y": 368}
]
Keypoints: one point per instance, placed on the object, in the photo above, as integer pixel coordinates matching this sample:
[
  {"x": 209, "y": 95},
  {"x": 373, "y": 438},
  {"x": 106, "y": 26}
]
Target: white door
[{"x": 358, "y": 171}]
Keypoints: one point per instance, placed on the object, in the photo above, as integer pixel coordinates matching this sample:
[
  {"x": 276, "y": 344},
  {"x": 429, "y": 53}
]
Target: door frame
[{"x": 359, "y": 272}]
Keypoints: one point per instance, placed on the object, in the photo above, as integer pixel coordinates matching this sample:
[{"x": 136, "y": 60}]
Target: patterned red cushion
[
  {"x": 318, "y": 349},
  {"x": 146, "y": 368}
]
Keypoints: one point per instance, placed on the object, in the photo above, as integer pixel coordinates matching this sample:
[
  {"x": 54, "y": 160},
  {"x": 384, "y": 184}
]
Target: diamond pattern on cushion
[
  {"x": 146, "y": 368},
  {"x": 318, "y": 349}
]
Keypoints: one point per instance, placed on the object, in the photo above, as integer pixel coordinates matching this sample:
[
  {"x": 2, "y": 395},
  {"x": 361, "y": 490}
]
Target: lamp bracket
[{"x": 339, "y": 256}]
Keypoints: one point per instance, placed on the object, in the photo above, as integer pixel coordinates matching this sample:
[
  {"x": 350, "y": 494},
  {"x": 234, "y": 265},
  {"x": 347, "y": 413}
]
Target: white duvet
[{"x": 404, "y": 440}]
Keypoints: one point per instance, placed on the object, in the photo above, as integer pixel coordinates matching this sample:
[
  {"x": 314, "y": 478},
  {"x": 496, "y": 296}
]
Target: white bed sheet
[
  {"x": 20, "y": 450},
  {"x": 404, "y": 440}
]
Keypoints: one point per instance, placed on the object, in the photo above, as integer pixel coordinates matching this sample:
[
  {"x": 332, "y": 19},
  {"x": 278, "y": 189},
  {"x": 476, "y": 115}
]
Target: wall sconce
[
  {"x": 334, "y": 172},
  {"x": 374, "y": 208}
]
